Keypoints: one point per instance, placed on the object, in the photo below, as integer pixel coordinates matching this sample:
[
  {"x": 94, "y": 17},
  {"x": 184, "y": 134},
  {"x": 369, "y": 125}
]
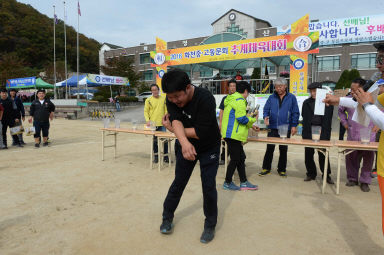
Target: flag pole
[
  {"x": 78, "y": 18},
  {"x": 54, "y": 52},
  {"x": 65, "y": 53}
]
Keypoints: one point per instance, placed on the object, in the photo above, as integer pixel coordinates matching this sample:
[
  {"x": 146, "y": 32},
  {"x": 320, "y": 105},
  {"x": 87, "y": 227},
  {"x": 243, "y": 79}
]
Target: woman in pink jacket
[{"x": 354, "y": 158}]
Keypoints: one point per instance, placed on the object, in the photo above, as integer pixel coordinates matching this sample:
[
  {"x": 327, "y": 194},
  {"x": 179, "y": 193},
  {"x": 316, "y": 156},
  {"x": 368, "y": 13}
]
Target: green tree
[
  {"x": 28, "y": 34},
  {"x": 11, "y": 66},
  {"x": 343, "y": 80},
  {"x": 122, "y": 67},
  {"x": 353, "y": 74},
  {"x": 256, "y": 73}
]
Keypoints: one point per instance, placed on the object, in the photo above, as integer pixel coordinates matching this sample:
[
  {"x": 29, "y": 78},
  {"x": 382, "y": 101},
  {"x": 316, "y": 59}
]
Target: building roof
[
  {"x": 261, "y": 20},
  {"x": 112, "y": 46}
]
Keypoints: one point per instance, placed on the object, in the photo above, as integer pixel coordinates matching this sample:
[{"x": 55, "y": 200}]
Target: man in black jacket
[
  {"x": 192, "y": 118},
  {"x": 309, "y": 120},
  {"x": 18, "y": 105},
  {"x": 41, "y": 112},
  {"x": 10, "y": 117}
]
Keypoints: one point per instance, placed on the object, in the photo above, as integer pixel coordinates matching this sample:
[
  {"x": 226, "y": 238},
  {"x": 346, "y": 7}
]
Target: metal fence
[{"x": 258, "y": 86}]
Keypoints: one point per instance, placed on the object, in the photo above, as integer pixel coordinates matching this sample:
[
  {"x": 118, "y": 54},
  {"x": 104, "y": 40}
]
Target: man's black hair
[
  {"x": 241, "y": 86},
  {"x": 12, "y": 90},
  {"x": 360, "y": 81},
  {"x": 315, "y": 85},
  {"x": 154, "y": 85},
  {"x": 379, "y": 46},
  {"x": 40, "y": 90},
  {"x": 175, "y": 80},
  {"x": 3, "y": 90},
  {"x": 232, "y": 81}
]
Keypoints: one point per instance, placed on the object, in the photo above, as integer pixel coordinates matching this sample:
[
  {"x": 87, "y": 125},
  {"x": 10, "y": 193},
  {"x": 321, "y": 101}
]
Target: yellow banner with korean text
[
  {"x": 298, "y": 73},
  {"x": 161, "y": 45},
  {"x": 282, "y": 45}
]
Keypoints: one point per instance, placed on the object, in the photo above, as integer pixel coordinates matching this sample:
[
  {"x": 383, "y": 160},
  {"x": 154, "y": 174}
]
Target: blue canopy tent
[{"x": 93, "y": 80}]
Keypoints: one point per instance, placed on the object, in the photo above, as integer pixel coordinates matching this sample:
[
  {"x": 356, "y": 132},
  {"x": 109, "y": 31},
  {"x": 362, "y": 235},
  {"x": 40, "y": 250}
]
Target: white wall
[{"x": 103, "y": 49}]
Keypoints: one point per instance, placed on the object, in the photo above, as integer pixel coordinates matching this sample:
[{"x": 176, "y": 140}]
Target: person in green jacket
[{"x": 234, "y": 130}]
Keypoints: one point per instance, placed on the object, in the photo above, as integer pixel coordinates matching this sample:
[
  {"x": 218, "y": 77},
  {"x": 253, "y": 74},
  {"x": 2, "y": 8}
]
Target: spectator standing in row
[
  {"x": 154, "y": 110},
  {"x": 117, "y": 102},
  {"x": 234, "y": 130},
  {"x": 309, "y": 120},
  {"x": 10, "y": 117},
  {"x": 231, "y": 90},
  {"x": 19, "y": 107},
  {"x": 41, "y": 111},
  {"x": 2, "y": 146},
  {"x": 281, "y": 108},
  {"x": 238, "y": 76},
  {"x": 353, "y": 159}
]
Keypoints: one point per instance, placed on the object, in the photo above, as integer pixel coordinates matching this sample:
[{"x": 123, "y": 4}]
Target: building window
[
  {"x": 236, "y": 29},
  {"x": 145, "y": 58},
  {"x": 328, "y": 63},
  {"x": 271, "y": 69},
  {"x": 147, "y": 75},
  {"x": 129, "y": 58},
  {"x": 363, "y": 61}
]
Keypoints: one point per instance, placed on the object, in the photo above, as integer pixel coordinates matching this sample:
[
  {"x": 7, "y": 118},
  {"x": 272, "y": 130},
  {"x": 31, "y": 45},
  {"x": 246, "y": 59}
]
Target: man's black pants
[
  {"x": 236, "y": 152},
  {"x": 268, "y": 157},
  {"x": 7, "y": 124},
  {"x": 155, "y": 146},
  {"x": 209, "y": 163},
  {"x": 222, "y": 156},
  {"x": 310, "y": 162},
  {"x": 342, "y": 131},
  {"x": 41, "y": 127}
]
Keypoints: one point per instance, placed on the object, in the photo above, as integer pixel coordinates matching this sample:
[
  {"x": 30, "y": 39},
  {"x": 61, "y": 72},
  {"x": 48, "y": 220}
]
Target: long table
[
  {"x": 345, "y": 148},
  {"x": 322, "y": 146},
  {"x": 159, "y": 134}
]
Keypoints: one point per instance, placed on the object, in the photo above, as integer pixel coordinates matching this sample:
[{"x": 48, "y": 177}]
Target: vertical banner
[
  {"x": 299, "y": 62},
  {"x": 301, "y": 25},
  {"x": 160, "y": 60},
  {"x": 298, "y": 74}
]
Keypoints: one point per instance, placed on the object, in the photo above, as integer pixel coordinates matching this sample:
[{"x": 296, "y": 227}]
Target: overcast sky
[{"x": 130, "y": 22}]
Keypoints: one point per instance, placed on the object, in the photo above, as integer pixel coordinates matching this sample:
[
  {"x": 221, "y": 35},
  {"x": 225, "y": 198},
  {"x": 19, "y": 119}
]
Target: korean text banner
[
  {"x": 346, "y": 30},
  {"x": 21, "y": 82},
  {"x": 107, "y": 80},
  {"x": 298, "y": 74},
  {"x": 244, "y": 49}
]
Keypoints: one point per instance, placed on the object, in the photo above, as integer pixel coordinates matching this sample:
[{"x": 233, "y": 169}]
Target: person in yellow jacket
[{"x": 154, "y": 110}]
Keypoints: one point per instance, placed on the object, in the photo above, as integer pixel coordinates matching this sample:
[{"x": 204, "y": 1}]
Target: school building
[{"x": 345, "y": 43}]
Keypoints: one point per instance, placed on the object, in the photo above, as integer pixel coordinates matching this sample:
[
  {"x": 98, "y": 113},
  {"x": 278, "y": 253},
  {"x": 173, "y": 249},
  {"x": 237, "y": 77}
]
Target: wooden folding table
[
  {"x": 346, "y": 147},
  {"x": 318, "y": 146}
]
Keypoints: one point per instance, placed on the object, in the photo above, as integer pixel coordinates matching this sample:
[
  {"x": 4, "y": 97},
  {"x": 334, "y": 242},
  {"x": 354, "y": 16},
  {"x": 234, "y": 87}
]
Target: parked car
[{"x": 142, "y": 96}]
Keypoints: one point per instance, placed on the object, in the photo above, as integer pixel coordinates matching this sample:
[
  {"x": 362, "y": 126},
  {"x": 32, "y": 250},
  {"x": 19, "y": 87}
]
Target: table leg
[
  {"x": 159, "y": 152},
  {"x": 115, "y": 145},
  {"x": 169, "y": 151},
  {"x": 151, "y": 155},
  {"x": 226, "y": 156},
  {"x": 325, "y": 174},
  {"x": 338, "y": 172},
  {"x": 102, "y": 145}
]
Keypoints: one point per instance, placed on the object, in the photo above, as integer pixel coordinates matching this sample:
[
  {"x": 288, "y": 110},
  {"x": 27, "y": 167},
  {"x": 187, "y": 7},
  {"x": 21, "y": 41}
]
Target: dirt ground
[{"x": 64, "y": 200}]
